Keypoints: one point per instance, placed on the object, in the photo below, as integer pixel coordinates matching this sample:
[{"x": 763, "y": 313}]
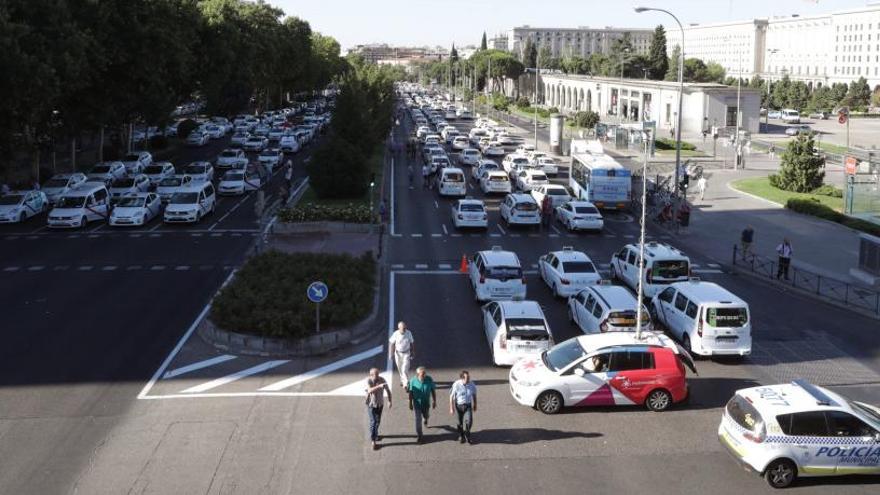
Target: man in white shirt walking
[
  {"x": 401, "y": 347},
  {"x": 784, "y": 252},
  {"x": 702, "y": 183}
]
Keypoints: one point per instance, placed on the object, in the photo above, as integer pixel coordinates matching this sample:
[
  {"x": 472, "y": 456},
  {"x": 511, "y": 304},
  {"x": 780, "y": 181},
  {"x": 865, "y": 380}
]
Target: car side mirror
[{"x": 579, "y": 371}]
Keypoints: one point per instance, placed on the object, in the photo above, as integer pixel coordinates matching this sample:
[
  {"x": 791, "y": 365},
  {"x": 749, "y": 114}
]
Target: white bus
[{"x": 597, "y": 177}]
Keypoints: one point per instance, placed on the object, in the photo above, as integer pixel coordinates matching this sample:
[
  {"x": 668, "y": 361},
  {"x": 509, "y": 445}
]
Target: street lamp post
[
  {"x": 680, "y": 91},
  {"x": 771, "y": 51}
]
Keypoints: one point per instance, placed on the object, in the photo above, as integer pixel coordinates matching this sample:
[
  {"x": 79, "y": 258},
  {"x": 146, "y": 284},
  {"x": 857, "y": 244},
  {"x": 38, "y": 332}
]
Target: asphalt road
[{"x": 213, "y": 423}]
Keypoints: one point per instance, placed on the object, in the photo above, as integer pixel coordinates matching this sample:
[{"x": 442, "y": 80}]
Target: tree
[
  {"x": 530, "y": 54},
  {"x": 637, "y": 67},
  {"x": 483, "y": 44},
  {"x": 545, "y": 58},
  {"x": 672, "y": 71},
  {"x": 798, "y": 95},
  {"x": 822, "y": 100},
  {"x": 875, "y": 96},
  {"x": 599, "y": 64},
  {"x": 801, "y": 169},
  {"x": 657, "y": 58},
  {"x": 780, "y": 92},
  {"x": 714, "y": 73},
  {"x": 587, "y": 119},
  {"x": 839, "y": 92},
  {"x": 858, "y": 97},
  {"x": 619, "y": 54},
  {"x": 575, "y": 65},
  {"x": 338, "y": 170}
]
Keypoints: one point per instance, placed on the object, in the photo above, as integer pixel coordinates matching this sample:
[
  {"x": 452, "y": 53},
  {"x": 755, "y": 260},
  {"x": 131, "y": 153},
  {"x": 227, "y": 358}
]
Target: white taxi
[
  {"x": 580, "y": 215},
  {"x": 568, "y": 271},
  {"x": 237, "y": 182},
  {"x": 494, "y": 181},
  {"x": 158, "y": 171},
  {"x": 170, "y": 185},
  {"x": 60, "y": 184},
  {"x": 131, "y": 184},
  {"x": 558, "y": 194},
  {"x": 514, "y": 330},
  {"x": 527, "y": 179},
  {"x": 135, "y": 209},
  {"x": 547, "y": 165},
  {"x": 451, "y": 182},
  {"x": 496, "y": 275},
  {"x": 798, "y": 429},
  {"x": 483, "y": 166},
  {"x": 493, "y": 148},
  {"x": 200, "y": 171},
  {"x": 469, "y": 213},
  {"x": 469, "y": 156},
  {"x": 520, "y": 209},
  {"x": 18, "y": 206}
]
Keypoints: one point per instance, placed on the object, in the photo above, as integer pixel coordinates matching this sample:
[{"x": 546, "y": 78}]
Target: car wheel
[
  {"x": 22, "y": 217},
  {"x": 83, "y": 222},
  {"x": 658, "y": 400},
  {"x": 549, "y": 402},
  {"x": 613, "y": 273},
  {"x": 780, "y": 473},
  {"x": 198, "y": 217},
  {"x": 686, "y": 343}
]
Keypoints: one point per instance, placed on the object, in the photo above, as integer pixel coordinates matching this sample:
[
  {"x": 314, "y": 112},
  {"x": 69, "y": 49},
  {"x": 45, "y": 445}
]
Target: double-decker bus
[{"x": 597, "y": 177}]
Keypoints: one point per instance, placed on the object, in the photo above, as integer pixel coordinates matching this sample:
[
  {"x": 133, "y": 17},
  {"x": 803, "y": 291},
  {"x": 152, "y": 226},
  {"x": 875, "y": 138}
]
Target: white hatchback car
[
  {"x": 580, "y": 215},
  {"x": 496, "y": 275},
  {"x": 158, "y": 171},
  {"x": 106, "y": 172},
  {"x": 568, "y": 271},
  {"x": 136, "y": 161},
  {"x": 60, "y": 184},
  {"x": 520, "y": 209},
  {"x": 18, "y": 206},
  {"x": 495, "y": 181},
  {"x": 170, "y": 185},
  {"x": 603, "y": 307},
  {"x": 132, "y": 184},
  {"x": 231, "y": 158},
  {"x": 558, "y": 194},
  {"x": 200, "y": 171},
  {"x": 798, "y": 429},
  {"x": 528, "y": 179},
  {"x": 514, "y": 330},
  {"x": 190, "y": 204},
  {"x": 469, "y": 156},
  {"x": 237, "y": 182},
  {"x": 469, "y": 213},
  {"x": 483, "y": 166},
  {"x": 136, "y": 209},
  {"x": 547, "y": 165}
]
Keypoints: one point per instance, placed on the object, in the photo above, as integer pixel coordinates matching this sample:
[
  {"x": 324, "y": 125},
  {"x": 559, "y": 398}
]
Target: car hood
[
  {"x": 66, "y": 212},
  {"x": 530, "y": 368},
  {"x": 231, "y": 183},
  {"x": 51, "y": 191},
  {"x": 169, "y": 189},
  {"x": 127, "y": 211},
  {"x": 182, "y": 207}
]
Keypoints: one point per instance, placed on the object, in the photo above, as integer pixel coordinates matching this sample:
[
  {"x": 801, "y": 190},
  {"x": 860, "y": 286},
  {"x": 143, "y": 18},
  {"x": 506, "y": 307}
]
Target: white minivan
[
  {"x": 451, "y": 182},
  {"x": 664, "y": 265},
  {"x": 708, "y": 319},
  {"x": 190, "y": 204},
  {"x": 790, "y": 116},
  {"x": 81, "y": 205}
]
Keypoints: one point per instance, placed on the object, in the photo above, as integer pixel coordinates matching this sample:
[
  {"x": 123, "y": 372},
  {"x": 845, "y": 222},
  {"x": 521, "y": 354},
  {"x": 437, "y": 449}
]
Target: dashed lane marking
[
  {"x": 494, "y": 235},
  {"x": 216, "y": 234},
  {"x": 554, "y": 235},
  {"x": 181, "y": 268},
  {"x": 12, "y": 237},
  {"x": 397, "y": 267},
  {"x": 444, "y": 266},
  {"x": 445, "y": 231},
  {"x": 61, "y": 268},
  {"x": 73, "y": 236},
  {"x": 157, "y": 268},
  {"x": 132, "y": 268},
  {"x": 196, "y": 234},
  {"x": 713, "y": 265},
  {"x": 296, "y": 380},
  {"x": 436, "y": 235},
  {"x": 155, "y": 235},
  {"x": 503, "y": 232},
  {"x": 421, "y": 266},
  {"x": 415, "y": 235},
  {"x": 35, "y": 268},
  {"x": 84, "y": 268},
  {"x": 108, "y": 268}
]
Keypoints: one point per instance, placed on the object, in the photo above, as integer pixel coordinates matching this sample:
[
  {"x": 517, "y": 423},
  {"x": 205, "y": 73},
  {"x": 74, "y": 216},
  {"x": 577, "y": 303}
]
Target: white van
[
  {"x": 190, "y": 204},
  {"x": 790, "y": 116},
  {"x": 707, "y": 318},
  {"x": 451, "y": 182},
  {"x": 664, "y": 265},
  {"x": 81, "y": 205}
]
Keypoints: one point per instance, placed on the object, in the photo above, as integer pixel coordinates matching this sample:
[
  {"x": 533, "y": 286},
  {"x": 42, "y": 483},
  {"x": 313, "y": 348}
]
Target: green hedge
[
  {"x": 267, "y": 297},
  {"x": 350, "y": 213},
  {"x": 828, "y": 190},
  {"x": 817, "y": 209},
  {"x": 669, "y": 144}
]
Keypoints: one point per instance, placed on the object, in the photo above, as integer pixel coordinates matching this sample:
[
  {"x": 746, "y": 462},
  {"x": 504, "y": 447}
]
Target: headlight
[{"x": 526, "y": 383}]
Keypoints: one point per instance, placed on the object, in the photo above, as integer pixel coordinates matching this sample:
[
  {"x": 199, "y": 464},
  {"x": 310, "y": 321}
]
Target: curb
[{"x": 314, "y": 345}]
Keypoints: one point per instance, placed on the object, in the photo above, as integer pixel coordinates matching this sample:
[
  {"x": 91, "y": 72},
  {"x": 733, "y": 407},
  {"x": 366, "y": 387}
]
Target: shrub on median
[
  {"x": 310, "y": 212},
  {"x": 267, "y": 297},
  {"x": 815, "y": 208}
]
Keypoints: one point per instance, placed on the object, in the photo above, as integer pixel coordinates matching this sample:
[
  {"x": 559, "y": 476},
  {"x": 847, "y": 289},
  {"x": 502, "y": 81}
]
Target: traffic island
[{"x": 268, "y": 309}]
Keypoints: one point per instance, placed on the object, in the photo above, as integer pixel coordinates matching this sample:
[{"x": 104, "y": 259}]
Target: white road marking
[
  {"x": 435, "y": 204},
  {"x": 12, "y": 238},
  {"x": 243, "y": 199},
  {"x": 554, "y": 235},
  {"x": 60, "y": 268},
  {"x": 155, "y": 235},
  {"x": 33, "y": 237},
  {"x": 36, "y": 268},
  {"x": 132, "y": 268},
  {"x": 134, "y": 236},
  {"x": 90, "y": 236},
  {"x": 708, "y": 270},
  {"x": 444, "y": 266},
  {"x": 181, "y": 268},
  {"x": 534, "y": 265},
  {"x": 392, "y": 198},
  {"x": 534, "y": 235},
  {"x": 503, "y": 232},
  {"x": 196, "y": 234},
  {"x": 555, "y": 229},
  {"x": 11, "y": 269},
  {"x": 197, "y": 366},
  {"x": 713, "y": 265},
  {"x": 421, "y": 266},
  {"x": 396, "y": 267},
  {"x": 44, "y": 227},
  {"x": 415, "y": 235},
  {"x": 219, "y": 382},
  {"x": 216, "y": 234},
  {"x": 323, "y": 370},
  {"x": 85, "y": 268},
  {"x": 456, "y": 235},
  {"x": 155, "y": 227},
  {"x": 436, "y": 235},
  {"x": 515, "y": 235},
  {"x": 192, "y": 328},
  {"x": 630, "y": 236},
  {"x": 74, "y": 236},
  {"x": 157, "y": 268},
  {"x": 445, "y": 232},
  {"x": 108, "y": 268},
  {"x": 494, "y": 235}
]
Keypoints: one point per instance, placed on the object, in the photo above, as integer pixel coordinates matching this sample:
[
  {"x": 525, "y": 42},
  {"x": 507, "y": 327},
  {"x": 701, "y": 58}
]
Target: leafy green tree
[
  {"x": 798, "y": 95},
  {"x": 839, "y": 92},
  {"x": 821, "y": 100},
  {"x": 780, "y": 92},
  {"x": 545, "y": 58},
  {"x": 714, "y": 73},
  {"x": 657, "y": 57},
  {"x": 801, "y": 169},
  {"x": 875, "y": 97},
  {"x": 638, "y": 67},
  {"x": 858, "y": 97},
  {"x": 338, "y": 169},
  {"x": 483, "y": 44},
  {"x": 530, "y": 54},
  {"x": 585, "y": 119},
  {"x": 575, "y": 65},
  {"x": 619, "y": 55},
  {"x": 672, "y": 71},
  {"x": 599, "y": 64}
]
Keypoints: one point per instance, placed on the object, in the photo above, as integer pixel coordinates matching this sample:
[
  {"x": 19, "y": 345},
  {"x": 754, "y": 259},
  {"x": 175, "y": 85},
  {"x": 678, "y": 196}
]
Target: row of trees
[
  {"x": 341, "y": 166},
  {"x": 74, "y": 66}
]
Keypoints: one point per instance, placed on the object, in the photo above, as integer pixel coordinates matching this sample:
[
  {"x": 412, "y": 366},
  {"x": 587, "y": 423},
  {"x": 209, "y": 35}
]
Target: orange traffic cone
[{"x": 464, "y": 264}]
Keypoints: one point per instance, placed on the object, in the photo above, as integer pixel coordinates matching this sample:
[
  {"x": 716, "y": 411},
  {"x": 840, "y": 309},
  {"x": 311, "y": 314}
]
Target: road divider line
[
  {"x": 323, "y": 370},
  {"x": 235, "y": 207},
  {"x": 238, "y": 375},
  {"x": 444, "y": 266},
  {"x": 36, "y": 268},
  {"x": 85, "y": 268},
  {"x": 503, "y": 232},
  {"x": 415, "y": 235},
  {"x": 421, "y": 266},
  {"x": 108, "y": 268},
  {"x": 436, "y": 205},
  {"x": 708, "y": 270},
  {"x": 436, "y": 235},
  {"x": 555, "y": 229},
  {"x": 197, "y": 366},
  {"x": 445, "y": 232}
]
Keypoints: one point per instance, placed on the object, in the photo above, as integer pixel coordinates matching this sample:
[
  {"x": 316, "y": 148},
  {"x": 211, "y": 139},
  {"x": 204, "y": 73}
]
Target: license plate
[{"x": 727, "y": 338}]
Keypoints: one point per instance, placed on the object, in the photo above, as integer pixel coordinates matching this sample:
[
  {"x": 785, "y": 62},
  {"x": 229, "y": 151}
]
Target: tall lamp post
[
  {"x": 771, "y": 51},
  {"x": 537, "y": 73},
  {"x": 680, "y": 91}
]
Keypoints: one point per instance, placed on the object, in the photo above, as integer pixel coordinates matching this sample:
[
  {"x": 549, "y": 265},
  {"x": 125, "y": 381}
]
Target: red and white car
[{"x": 608, "y": 369}]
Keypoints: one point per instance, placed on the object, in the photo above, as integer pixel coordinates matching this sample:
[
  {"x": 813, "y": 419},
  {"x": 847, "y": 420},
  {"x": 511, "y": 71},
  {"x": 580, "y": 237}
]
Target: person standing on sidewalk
[
  {"x": 376, "y": 389},
  {"x": 401, "y": 346},
  {"x": 702, "y": 183},
  {"x": 422, "y": 398},
  {"x": 463, "y": 400},
  {"x": 746, "y": 239},
  {"x": 784, "y": 252}
]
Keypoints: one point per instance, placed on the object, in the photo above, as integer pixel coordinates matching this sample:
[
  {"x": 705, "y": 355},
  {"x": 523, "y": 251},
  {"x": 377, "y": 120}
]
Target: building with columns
[
  {"x": 580, "y": 41},
  {"x": 637, "y": 100}
]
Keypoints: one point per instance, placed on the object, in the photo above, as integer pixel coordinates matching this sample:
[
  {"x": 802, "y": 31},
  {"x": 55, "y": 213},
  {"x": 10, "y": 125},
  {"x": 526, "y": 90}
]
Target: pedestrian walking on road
[
  {"x": 288, "y": 172},
  {"x": 702, "y": 183},
  {"x": 401, "y": 346},
  {"x": 746, "y": 239},
  {"x": 422, "y": 398},
  {"x": 409, "y": 174},
  {"x": 784, "y": 252},
  {"x": 546, "y": 210},
  {"x": 772, "y": 151},
  {"x": 376, "y": 389},
  {"x": 463, "y": 400}
]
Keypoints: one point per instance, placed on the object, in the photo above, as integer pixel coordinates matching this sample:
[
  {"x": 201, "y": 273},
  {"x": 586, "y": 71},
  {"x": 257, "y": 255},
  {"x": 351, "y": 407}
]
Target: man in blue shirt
[{"x": 463, "y": 400}]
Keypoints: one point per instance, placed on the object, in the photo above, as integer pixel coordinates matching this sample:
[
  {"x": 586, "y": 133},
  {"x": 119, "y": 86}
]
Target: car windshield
[
  {"x": 527, "y": 329},
  {"x": 255, "y": 140},
  {"x": 233, "y": 176},
  {"x": 670, "y": 269},
  {"x": 526, "y": 206},
  {"x": 171, "y": 182},
  {"x": 101, "y": 169},
  {"x": 563, "y": 354},
  {"x": 866, "y": 410},
  {"x": 557, "y": 192},
  {"x": 726, "y": 317},
  {"x": 131, "y": 202},
  {"x": 539, "y": 177},
  {"x": 72, "y": 202},
  {"x": 626, "y": 318},
  {"x": 131, "y": 158},
  {"x": 153, "y": 169},
  {"x": 471, "y": 207},
  {"x": 122, "y": 183},
  {"x": 504, "y": 272},
  {"x": 229, "y": 154},
  {"x": 11, "y": 199},
  {"x": 195, "y": 169},
  {"x": 586, "y": 210},
  {"x": 578, "y": 267},
  {"x": 184, "y": 198},
  {"x": 55, "y": 183},
  {"x": 453, "y": 177}
]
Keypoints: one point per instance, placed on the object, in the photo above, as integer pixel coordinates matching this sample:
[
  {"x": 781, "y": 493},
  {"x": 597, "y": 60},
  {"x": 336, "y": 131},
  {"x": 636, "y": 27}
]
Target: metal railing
[{"x": 835, "y": 290}]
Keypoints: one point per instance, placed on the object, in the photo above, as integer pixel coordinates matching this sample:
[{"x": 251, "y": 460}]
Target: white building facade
[
  {"x": 825, "y": 49},
  {"x": 581, "y": 41},
  {"x": 638, "y": 100}
]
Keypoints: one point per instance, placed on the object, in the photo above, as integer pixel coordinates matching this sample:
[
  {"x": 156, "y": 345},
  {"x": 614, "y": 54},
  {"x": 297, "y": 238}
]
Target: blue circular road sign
[{"x": 317, "y": 292}]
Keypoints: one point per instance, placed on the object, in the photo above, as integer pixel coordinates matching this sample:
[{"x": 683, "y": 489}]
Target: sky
[{"x": 442, "y": 22}]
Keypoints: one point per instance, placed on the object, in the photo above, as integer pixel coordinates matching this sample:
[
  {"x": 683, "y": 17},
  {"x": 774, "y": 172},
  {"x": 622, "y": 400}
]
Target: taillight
[
  {"x": 504, "y": 340},
  {"x": 700, "y": 327},
  {"x": 648, "y": 276},
  {"x": 482, "y": 279},
  {"x": 564, "y": 281},
  {"x": 603, "y": 327}
]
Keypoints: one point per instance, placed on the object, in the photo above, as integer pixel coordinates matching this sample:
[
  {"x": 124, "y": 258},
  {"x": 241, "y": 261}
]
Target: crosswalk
[
  {"x": 603, "y": 268},
  {"x": 552, "y": 234}
]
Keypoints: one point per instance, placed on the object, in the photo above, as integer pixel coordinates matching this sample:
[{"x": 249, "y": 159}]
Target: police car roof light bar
[{"x": 821, "y": 397}]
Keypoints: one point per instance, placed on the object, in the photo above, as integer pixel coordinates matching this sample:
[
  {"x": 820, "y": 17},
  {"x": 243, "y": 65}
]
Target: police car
[{"x": 799, "y": 429}]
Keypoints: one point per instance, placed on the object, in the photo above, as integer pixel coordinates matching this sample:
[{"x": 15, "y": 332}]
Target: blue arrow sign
[{"x": 317, "y": 292}]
